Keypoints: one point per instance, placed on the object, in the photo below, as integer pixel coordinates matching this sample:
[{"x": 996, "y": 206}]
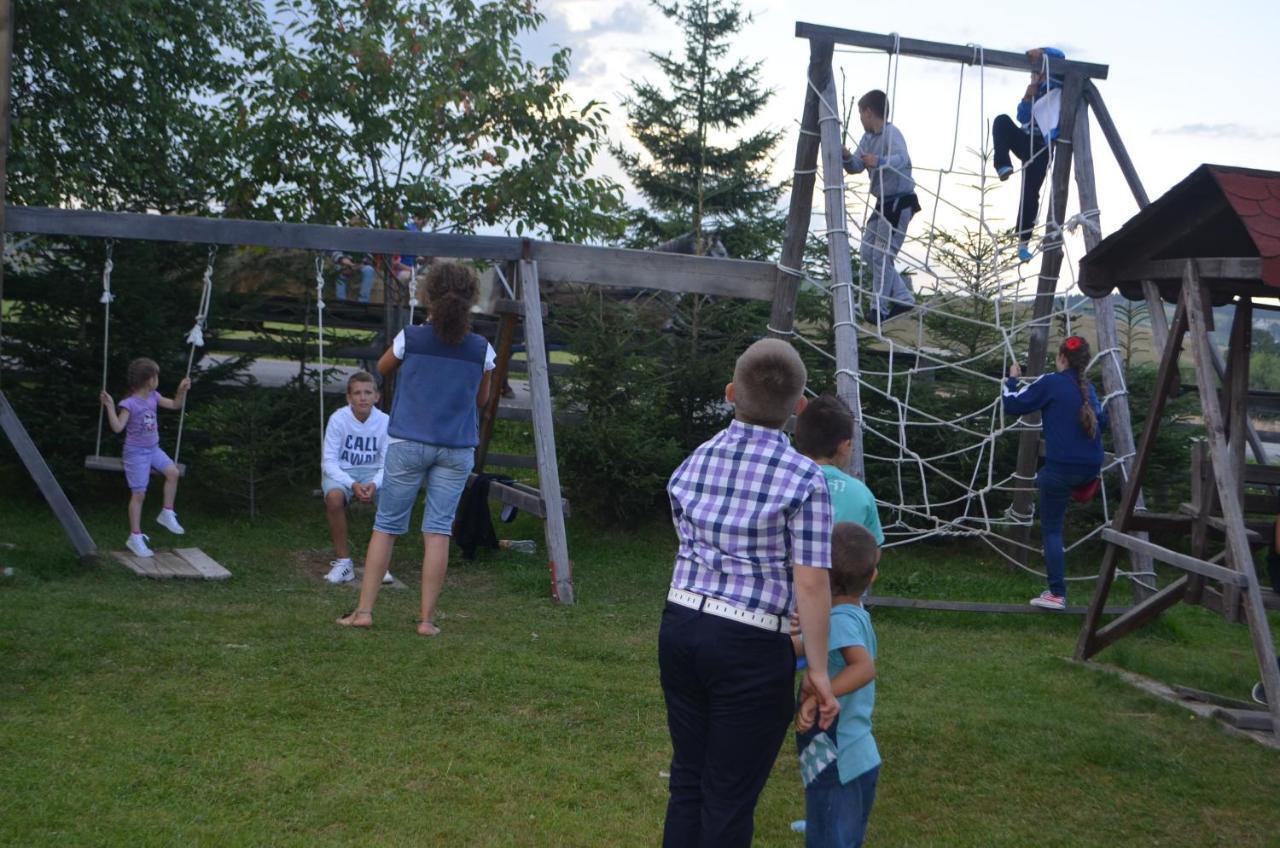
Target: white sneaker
[
  {"x": 387, "y": 579},
  {"x": 168, "y": 519},
  {"x": 137, "y": 543},
  {"x": 340, "y": 571}
]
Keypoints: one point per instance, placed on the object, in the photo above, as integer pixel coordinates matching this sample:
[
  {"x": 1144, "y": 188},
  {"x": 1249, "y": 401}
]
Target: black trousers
[
  {"x": 1030, "y": 147},
  {"x": 728, "y": 688}
]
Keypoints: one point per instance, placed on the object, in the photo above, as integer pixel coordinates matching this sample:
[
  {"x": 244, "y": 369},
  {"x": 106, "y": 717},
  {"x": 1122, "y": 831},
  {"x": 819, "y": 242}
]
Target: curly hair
[{"x": 451, "y": 291}]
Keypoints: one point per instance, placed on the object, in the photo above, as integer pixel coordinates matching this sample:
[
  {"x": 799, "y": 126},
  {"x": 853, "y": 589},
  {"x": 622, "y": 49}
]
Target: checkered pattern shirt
[{"x": 747, "y": 507}]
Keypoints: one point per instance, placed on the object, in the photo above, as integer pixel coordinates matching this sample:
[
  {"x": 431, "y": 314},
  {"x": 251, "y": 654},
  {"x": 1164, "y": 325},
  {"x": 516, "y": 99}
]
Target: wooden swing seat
[{"x": 116, "y": 464}]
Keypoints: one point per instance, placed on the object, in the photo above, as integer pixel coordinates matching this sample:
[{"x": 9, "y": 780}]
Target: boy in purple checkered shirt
[{"x": 753, "y": 520}]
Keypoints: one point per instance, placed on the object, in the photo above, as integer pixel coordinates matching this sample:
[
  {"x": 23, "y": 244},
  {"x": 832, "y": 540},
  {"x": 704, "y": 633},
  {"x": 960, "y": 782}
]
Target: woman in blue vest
[
  {"x": 1072, "y": 420},
  {"x": 431, "y": 438}
]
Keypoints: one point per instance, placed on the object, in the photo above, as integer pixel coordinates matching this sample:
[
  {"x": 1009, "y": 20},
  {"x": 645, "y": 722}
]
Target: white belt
[{"x": 763, "y": 620}]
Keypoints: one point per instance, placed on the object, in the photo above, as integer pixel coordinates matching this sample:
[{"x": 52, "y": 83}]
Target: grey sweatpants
[{"x": 886, "y": 282}]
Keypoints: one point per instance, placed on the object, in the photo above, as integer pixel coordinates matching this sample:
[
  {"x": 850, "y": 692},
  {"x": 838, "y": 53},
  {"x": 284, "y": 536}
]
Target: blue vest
[{"x": 435, "y": 400}]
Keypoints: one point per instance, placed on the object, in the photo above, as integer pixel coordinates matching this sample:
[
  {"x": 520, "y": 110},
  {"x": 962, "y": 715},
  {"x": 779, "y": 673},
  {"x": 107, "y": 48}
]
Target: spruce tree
[{"x": 696, "y": 172}]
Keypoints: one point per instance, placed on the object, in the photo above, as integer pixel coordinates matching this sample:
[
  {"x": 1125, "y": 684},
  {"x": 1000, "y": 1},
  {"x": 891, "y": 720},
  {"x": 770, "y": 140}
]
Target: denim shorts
[
  {"x": 408, "y": 466},
  {"x": 360, "y": 474}
]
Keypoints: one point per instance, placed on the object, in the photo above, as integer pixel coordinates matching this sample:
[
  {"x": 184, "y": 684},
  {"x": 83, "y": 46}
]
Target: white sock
[
  {"x": 166, "y": 509},
  {"x": 139, "y": 535},
  {"x": 343, "y": 561}
]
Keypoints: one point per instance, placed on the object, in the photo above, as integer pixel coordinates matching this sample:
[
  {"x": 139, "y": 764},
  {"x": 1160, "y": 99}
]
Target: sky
[{"x": 1189, "y": 83}]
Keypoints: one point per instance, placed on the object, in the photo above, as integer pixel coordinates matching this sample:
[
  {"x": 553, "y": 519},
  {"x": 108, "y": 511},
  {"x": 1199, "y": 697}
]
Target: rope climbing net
[{"x": 938, "y": 447}]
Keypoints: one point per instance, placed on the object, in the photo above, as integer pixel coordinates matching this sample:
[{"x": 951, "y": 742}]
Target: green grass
[{"x": 138, "y": 712}]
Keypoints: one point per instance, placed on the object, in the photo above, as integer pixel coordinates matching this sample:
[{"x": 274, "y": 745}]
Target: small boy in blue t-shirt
[
  {"x": 840, "y": 765},
  {"x": 824, "y": 433}
]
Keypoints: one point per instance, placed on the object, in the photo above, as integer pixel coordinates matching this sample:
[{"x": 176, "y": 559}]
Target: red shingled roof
[
  {"x": 1218, "y": 212},
  {"x": 1255, "y": 197}
]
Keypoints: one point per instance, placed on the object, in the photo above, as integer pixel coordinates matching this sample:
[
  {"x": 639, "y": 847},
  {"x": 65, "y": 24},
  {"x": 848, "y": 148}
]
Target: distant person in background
[{"x": 1029, "y": 141}]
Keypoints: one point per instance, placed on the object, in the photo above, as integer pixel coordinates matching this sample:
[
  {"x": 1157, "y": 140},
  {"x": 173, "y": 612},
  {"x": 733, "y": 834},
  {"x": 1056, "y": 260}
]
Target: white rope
[
  {"x": 105, "y": 300},
  {"x": 320, "y": 343},
  {"x": 195, "y": 338}
]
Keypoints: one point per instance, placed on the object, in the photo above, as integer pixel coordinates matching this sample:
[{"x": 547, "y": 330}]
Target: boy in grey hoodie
[{"x": 882, "y": 153}]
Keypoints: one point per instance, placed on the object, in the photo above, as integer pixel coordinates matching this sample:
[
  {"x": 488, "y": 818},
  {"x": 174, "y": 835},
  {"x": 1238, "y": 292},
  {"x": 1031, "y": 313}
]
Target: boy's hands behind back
[{"x": 817, "y": 687}]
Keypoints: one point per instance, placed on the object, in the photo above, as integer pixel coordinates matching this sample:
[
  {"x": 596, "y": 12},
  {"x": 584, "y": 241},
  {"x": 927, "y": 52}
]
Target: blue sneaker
[
  {"x": 1004, "y": 173},
  {"x": 1024, "y": 253}
]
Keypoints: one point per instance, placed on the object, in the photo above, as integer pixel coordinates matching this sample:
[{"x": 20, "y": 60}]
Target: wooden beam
[
  {"x": 1226, "y": 576},
  {"x": 1118, "y": 150},
  {"x": 190, "y": 228},
  {"x": 841, "y": 258},
  {"x": 965, "y": 54},
  {"x": 1166, "y": 376},
  {"x": 1150, "y": 293},
  {"x": 1046, "y": 289},
  {"x": 1113, "y": 379},
  {"x": 646, "y": 269},
  {"x": 1138, "y": 616},
  {"x": 27, "y": 451},
  {"x": 544, "y": 439},
  {"x": 978, "y": 607},
  {"x": 1243, "y": 269},
  {"x": 787, "y": 280},
  {"x": 1239, "y": 556}
]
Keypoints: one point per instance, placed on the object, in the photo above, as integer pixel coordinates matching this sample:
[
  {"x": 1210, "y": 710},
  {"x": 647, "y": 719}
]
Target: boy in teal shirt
[
  {"x": 824, "y": 433},
  {"x": 841, "y": 765}
]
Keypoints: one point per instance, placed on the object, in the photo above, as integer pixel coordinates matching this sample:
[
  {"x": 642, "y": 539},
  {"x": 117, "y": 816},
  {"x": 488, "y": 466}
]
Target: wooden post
[
  {"x": 1239, "y": 556},
  {"x": 506, "y": 340},
  {"x": 846, "y": 330},
  {"x": 1235, "y": 396},
  {"x": 782, "y": 318},
  {"x": 1113, "y": 380},
  {"x": 544, "y": 439},
  {"x": 1046, "y": 289},
  {"x": 45, "y": 481},
  {"x": 1201, "y": 506},
  {"x": 1166, "y": 378},
  {"x": 1150, "y": 293}
]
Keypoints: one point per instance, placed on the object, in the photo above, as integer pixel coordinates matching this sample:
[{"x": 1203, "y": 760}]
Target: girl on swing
[
  {"x": 1072, "y": 420},
  {"x": 142, "y": 451}
]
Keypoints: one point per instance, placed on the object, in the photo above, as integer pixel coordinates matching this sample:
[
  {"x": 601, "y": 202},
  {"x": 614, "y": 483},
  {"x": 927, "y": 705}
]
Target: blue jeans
[
  {"x": 1055, "y": 480},
  {"x": 836, "y": 813},
  {"x": 407, "y": 467}
]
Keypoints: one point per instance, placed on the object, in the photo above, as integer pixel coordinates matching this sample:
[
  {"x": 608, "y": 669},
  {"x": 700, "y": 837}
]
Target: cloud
[{"x": 1222, "y": 130}]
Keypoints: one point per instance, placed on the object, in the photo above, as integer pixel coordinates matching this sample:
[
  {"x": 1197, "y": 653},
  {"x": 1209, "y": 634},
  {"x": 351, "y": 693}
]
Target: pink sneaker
[{"x": 1049, "y": 601}]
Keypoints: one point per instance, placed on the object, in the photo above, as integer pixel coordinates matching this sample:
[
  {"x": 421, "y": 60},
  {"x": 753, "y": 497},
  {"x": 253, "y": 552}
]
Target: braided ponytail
[{"x": 1075, "y": 349}]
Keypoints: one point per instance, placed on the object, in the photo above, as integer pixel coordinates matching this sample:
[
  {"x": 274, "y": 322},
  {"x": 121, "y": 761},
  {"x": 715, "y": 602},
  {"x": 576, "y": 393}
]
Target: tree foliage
[
  {"x": 123, "y": 105},
  {"x": 371, "y": 109},
  {"x": 692, "y": 181}
]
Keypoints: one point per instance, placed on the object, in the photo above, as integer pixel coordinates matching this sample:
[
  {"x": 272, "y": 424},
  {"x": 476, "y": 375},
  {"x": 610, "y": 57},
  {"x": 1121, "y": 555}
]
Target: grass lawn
[{"x": 173, "y": 713}]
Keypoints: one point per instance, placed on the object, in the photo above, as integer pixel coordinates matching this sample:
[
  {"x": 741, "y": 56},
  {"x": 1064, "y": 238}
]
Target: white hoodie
[{"x": 351, "y": 443}]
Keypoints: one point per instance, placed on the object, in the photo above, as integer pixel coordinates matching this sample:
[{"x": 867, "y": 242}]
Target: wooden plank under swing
[{"x": 181, "y": 563}]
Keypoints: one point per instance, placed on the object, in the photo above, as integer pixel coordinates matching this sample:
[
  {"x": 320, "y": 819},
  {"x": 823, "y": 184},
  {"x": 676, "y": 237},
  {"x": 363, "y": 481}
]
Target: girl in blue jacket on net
[{"x": 1072, "y": 421}]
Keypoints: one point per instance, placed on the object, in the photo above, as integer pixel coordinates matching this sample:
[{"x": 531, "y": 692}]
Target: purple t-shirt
[{"x": 141, "y": 430}]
